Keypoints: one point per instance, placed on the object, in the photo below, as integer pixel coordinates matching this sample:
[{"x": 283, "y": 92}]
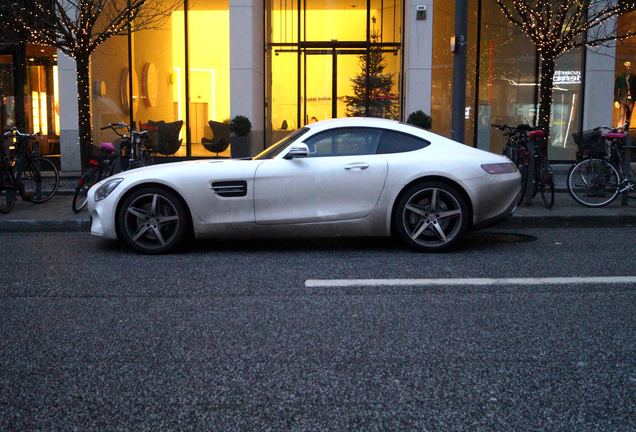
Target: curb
[
  {"x": 599, "y": 221},
  {"x": 515, "y": 222},
  {"x": 27, "y": 226}
]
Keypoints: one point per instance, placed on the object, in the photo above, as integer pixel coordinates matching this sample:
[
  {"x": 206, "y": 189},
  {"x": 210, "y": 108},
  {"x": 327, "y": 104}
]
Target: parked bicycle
[
  {"x": 35, "y": 178},
  {"x": 600, "y": 177},
  {"x": 98, "y": 169},
  {"x": 524, "y": 147},
  {"x": 133, "y": 146}
]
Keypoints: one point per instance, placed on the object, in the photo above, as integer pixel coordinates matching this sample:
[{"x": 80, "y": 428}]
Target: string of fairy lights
[
  {"x": 71, "y": 26},
  {"x": 558, "y": 26},
  {"x": 554, "y": 26}
]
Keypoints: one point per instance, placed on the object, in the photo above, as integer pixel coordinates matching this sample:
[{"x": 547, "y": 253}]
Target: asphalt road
[{"x": 226, "y": 336}]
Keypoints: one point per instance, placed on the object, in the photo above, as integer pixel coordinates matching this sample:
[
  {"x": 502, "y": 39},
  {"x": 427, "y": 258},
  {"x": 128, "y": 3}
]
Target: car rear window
[{"x": 398, "y": 142}]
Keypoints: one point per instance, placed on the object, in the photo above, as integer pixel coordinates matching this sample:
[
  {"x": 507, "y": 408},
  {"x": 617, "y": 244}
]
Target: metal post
[{"x": 459, "y": 71}]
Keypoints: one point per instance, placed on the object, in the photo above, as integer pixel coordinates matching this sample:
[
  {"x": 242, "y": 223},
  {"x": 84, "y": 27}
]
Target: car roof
[
  {"x": 369, "y": 122},
  {"x": 352, "y": 121}
]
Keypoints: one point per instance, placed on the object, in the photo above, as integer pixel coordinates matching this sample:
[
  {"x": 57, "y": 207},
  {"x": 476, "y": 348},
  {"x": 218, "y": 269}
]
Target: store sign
[{"x": 567, "y": 77}]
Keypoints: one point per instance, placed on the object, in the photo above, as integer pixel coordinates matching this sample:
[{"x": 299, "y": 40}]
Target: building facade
[{"x": 286, "y": 63}]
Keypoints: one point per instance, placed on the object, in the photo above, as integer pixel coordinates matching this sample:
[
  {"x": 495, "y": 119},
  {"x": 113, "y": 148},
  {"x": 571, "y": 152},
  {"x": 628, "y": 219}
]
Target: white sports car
[{"x": 343, "y": 177}]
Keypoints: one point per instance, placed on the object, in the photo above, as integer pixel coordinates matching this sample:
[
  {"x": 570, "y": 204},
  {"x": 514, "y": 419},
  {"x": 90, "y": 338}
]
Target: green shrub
[
  {"x": 420, "y": 119},
  {"x": 240, "y": 125}
]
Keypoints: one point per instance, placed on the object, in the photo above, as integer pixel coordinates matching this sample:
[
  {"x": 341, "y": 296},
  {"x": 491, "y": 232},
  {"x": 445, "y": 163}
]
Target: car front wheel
[
  {"x": 152, "y": 220},
  {"x": 431, "y": 216}
]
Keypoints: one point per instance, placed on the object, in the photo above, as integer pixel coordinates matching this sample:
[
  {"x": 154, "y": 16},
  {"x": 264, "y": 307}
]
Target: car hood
[{"x": 167, "y": 169}]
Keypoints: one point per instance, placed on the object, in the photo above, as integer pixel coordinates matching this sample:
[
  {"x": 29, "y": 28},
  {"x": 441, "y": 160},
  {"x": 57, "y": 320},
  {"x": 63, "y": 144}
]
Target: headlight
[{"x": 104, "y": 190}]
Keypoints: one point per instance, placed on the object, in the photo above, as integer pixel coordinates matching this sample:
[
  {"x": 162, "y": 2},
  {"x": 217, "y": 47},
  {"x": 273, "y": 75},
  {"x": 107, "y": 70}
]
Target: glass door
[
  {"x": 330, "y": 78},
  {"x": 329, "y": 59},
  {"x": 319, "y": 96}
]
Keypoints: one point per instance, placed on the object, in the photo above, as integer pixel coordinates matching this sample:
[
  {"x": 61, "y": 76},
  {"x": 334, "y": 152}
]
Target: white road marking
[{"x": 604, "y": 280}]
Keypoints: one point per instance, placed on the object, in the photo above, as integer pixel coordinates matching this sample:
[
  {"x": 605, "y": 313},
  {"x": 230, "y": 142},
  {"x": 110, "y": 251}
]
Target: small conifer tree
[{"x": 372, "y": 97}]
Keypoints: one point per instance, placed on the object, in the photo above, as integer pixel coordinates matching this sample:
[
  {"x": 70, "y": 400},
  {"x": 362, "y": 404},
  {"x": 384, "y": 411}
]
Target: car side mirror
[{"x": 297, "y": 151}]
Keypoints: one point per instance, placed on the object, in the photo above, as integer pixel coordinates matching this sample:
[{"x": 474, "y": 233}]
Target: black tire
[
  {"x": 152, "y": 220},
  {"x": 7, "y": 192},
  {"x": 431, "y": 216},
  {"x": 40, "y": 180},
  {"x": 593, "y": 182},
  {"x": 86, "y": 181},
  {"x": 546, "y": 183}
]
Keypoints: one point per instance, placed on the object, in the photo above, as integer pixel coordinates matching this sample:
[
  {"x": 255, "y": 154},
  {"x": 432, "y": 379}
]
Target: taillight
[{"x": 499, "y": 168}]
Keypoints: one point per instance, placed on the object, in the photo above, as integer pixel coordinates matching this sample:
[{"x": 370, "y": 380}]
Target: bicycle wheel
[
  {"x": 593, "y": 182},
  {"x": 7, "y": 192},
  {"x": 523, "y": 170},
  {"x": 86, "y": 181},
  {"x": 632, "y": 178},
  {"x": 39, "y": 180},
  {"x": 510, "y": 153},
  {"x": 146, "y": 157},
  {"x": 546, "y": 183}
]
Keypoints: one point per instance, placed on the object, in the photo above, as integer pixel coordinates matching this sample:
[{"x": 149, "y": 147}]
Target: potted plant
[
  {"x": 240, "y": 128},
  {"x": 420, "y": 119}
]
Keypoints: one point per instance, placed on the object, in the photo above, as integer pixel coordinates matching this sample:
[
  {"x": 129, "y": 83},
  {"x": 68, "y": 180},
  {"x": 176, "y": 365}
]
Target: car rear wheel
[
  {"x": 431, "y": 216},
  {"x": 152, "y": 220}
]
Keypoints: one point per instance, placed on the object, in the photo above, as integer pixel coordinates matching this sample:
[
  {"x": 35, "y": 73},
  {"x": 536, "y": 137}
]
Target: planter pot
[{"x": 240, "y": 146}]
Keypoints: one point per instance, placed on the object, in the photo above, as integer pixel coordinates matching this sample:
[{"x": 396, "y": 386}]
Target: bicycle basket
[{"x": 591, "y": 144}]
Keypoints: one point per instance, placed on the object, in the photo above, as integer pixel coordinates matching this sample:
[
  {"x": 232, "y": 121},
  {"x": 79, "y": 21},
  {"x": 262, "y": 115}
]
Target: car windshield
[{"x": 272, "y": 151}]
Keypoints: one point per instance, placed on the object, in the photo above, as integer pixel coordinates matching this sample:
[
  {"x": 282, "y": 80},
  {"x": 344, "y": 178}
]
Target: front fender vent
[{"x": 229, "y": 189}]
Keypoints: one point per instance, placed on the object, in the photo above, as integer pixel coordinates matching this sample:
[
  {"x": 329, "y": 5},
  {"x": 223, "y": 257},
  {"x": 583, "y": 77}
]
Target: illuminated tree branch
[
  {"x": 558, "y": 26},
  {"x": 78, "y": 28}
]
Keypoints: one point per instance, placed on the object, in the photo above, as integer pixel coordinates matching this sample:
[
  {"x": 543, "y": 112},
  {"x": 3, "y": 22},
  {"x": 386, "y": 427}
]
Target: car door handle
[{"x": 356, "y": 166}]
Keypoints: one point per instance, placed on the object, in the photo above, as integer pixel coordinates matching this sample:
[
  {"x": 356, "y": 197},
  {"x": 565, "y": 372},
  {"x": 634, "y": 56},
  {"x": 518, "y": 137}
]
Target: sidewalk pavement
[{"x": 57, "y": 215}]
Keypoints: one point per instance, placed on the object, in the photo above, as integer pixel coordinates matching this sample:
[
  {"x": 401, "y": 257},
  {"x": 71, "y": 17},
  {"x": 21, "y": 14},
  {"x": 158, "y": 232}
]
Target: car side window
[
  {"x": 344, "y": 142},
  {"x": 397, "y": 142}
]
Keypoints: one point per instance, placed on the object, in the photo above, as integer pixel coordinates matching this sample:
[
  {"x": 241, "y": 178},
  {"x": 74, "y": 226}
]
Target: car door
[{"x": 342, "y": 178}]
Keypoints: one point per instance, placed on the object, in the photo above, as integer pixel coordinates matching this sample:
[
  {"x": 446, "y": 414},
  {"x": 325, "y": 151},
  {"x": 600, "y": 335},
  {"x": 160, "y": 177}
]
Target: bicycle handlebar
[
  {"x": 118, "y": 125},
  {"x": 520, "y": 127},
  {"x": 15, "y": 132}
]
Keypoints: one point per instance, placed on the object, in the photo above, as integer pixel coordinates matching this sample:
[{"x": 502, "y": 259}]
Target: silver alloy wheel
[
  {"x": 151, "y": 221},
  {"x": 432, "y": 217}
]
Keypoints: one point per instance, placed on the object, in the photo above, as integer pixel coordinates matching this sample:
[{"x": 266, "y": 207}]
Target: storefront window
[
  {"x": 7, "y": 95},
  {"x": 159, "y": 91},
  {"x": 41, "y": 97},
  {"x": 442, "y": 74},
  {"x": 507, "y": 78},
  {"x": 319, "y": 56},
  {"x": 625, "y": 74},
  {"x": 505, "y": 72},
  {"x": 178, "y": 122},
  {"x": 566, "y": 106},
  {"x": 209, "y": 73},
  {"x": 110, "y": 97}
]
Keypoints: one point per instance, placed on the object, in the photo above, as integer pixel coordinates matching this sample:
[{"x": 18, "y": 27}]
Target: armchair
[
  {"x": 220, "y": 140},
  {"x": 164, "y": 137}
]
